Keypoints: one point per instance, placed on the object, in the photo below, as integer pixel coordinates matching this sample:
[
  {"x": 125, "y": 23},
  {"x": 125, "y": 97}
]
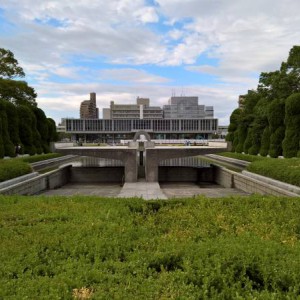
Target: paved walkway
[
  {"x": 145, "y": 190},
  {"x": 142, "y": 189}
]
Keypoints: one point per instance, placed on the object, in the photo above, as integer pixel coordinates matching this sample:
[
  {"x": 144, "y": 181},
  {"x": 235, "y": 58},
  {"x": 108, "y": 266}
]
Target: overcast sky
[{"x": 121, "y": 49}]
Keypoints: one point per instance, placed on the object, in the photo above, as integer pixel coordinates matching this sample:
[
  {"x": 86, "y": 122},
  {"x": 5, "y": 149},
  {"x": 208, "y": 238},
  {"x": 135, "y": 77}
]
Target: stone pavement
[
  {"x": 145, "y": 190},
  {"x": 142, "y": 189},
  {"x": 190, "y": 189}
]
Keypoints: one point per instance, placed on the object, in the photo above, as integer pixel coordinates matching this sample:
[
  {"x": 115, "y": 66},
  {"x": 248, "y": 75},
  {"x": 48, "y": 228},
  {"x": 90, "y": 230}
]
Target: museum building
[{"x": 181, "y": 118}]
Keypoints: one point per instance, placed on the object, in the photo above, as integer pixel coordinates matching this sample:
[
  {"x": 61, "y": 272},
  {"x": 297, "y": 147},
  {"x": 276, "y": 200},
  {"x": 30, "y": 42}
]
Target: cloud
[
  {"x": 118, "y": 40},
  {"x": 132, "y": 75}
]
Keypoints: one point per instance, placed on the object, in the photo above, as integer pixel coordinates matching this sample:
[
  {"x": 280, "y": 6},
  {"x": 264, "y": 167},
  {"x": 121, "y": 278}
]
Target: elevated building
[
  {"x": 186, "y": 108},
  {"x": 182, "y": 118},
  {"x": 140, "y": 110},
  {"x": 88, "y": 108}
]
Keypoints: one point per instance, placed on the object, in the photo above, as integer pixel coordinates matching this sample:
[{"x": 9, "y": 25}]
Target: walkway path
[{"x": 143, "y": 189}]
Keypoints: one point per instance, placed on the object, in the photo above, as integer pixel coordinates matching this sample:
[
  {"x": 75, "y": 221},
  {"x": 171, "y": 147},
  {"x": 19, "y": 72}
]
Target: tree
[
  {"x": 292, "y": 123},
  {"x": 25, "y": 128},
  {"x": 9, "y": 66},
  {"x": 15, "y": 91},
  {"x": 9, "y": 147}
]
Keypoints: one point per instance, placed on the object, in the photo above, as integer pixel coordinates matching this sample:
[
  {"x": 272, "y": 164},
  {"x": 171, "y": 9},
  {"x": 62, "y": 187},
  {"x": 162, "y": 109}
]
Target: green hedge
[
  {"x": 230, "y": 248},
  {"x": 246, "y": 157},
  {"x": 36, "y": 158},
  {"x": 11, "y": 168},
  {"x": 286, "y": 170}
]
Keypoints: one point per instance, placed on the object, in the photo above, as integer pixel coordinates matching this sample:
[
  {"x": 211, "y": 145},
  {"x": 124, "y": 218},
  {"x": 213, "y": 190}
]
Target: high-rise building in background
[
  {"x": 181, "y": 118},
  {"x": 184, "y": 107},
  {"x": 88, "y": 108},
  {"x": 140, "y": 110}
]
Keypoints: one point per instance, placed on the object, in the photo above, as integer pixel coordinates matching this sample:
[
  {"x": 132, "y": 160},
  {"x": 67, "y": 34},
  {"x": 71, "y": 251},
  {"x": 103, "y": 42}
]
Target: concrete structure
[
  {"x": 147, "y": 190},
  {"x": 88, "y": 108},
  {"x": 142, "y": 159},
  {"x": 117, "y": 130},
  {"x": 182, "y": 118},
  {"x": 184, "y": 107},
  {"x": 140, "y": 110}
]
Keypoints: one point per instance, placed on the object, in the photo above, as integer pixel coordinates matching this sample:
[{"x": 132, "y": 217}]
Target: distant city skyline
[{"x": 124, "y": 49}]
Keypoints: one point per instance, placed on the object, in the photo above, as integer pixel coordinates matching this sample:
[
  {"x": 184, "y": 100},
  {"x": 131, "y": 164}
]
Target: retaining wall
[
  {"x": 96, "y": 174},
  {"x": 231, "y": 179},
  {"x": 50, "y": 180},
  {"x": 187, "y": 174}
]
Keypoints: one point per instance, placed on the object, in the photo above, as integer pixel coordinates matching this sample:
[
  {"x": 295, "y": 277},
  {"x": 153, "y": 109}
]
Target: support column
[
  {"x": 130, "y": 166},
  {"x": 151, "y": 166}
]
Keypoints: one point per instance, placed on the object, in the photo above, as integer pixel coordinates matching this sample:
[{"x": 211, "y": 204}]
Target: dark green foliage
[
  {"x": 42, "y": 127},
  {"x": 9, "y": 66},
  {"x": 266, "y": 107},
  {"x": 1, "y": 142},
  {"x": 9, "y": 148},
  {"x": 292, "y": 122},
  {"x": 52, "y": 134},
  {"x": 248, "y": 142},
  {"x": 25, "y": 129},
  {"x": 17, "y": 92},
  {"x": 13, "y": 124},
  {"x": 276, "y": 142},
  {"x": 230, "y": 248},
  {"x": 242, "y": 134},
  {"x": 276, "y": 113},
  {"x": 265, "y": 142},
  {"x": 232, "y": 135},
  {"x": 235, "y": 141},
  {"x": 11, "y": 168}
]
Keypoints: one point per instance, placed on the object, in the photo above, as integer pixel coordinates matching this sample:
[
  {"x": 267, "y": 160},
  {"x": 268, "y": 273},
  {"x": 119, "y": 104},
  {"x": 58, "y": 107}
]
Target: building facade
[
  {"x": 182, "y": 118},
  {"x": 140, "y": 110},
  {"x": 186, "y": 108},
  {"x": 88, "y": 108}
]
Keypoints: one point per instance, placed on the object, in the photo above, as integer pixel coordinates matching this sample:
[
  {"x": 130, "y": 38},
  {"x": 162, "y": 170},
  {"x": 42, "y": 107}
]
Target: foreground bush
[
  {"x": 12, "y": 168},
  {"x": 230, "y": 248}
]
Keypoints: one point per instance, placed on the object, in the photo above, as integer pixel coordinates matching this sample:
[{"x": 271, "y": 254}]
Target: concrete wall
[
  {"x": 231, "y": 179},
  {"x": 50, "y": 180},
  {"x": 96, "y": 174},
  {"x": 187, "y": 174}
]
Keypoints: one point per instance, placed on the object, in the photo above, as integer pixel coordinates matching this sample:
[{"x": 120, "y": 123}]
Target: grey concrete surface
[
  {"x": 145, "y": 190},
  {"x": 189, "y": 189},
  {"x": 98, "y": 189}
]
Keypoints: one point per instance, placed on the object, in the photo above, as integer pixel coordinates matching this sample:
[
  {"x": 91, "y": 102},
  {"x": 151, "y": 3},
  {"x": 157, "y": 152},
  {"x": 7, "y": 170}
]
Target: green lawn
[{"x": 229, "y": 248}]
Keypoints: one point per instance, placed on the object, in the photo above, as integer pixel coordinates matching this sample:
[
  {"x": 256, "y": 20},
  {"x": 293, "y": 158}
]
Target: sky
[{"x": 124, "y": 49}]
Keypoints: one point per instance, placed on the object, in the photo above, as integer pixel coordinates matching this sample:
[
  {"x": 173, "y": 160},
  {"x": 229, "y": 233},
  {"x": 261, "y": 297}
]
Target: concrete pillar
[
  {"x": 151, "y": 166},
  {"x": 130, "y": 164}
]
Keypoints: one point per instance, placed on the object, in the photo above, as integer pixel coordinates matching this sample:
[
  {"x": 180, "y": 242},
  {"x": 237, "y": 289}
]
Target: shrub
[
  {"x": 11, "y": 168},
  {"x": 228, "y": 248},
  {"x": 286, "y": 170},
  {"x": 36, "y": 158}
]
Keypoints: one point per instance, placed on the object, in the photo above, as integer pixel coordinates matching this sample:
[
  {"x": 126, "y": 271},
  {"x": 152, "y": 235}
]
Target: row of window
[{"x": 160, "y": 125}]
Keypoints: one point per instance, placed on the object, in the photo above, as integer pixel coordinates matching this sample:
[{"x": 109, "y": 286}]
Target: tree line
[
  {"x": 267, "y": 121},
  {"x": 24, "y": 128}
]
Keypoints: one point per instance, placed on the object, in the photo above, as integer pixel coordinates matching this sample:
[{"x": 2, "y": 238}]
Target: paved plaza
[{"x": 145, "y": 190}]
